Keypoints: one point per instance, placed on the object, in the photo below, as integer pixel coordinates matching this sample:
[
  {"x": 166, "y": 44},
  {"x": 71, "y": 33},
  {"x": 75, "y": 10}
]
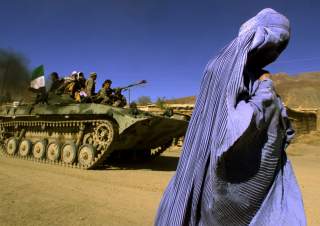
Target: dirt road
[{"x": 38, "y": 194}]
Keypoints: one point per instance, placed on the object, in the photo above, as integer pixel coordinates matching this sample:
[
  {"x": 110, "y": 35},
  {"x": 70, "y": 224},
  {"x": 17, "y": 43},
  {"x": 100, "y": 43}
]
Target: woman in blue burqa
[{"x": 233, "y": 168}]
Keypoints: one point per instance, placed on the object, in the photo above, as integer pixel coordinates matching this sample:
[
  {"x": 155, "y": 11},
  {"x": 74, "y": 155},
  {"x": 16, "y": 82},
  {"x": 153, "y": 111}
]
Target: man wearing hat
[{"x": 91, "y": 84}]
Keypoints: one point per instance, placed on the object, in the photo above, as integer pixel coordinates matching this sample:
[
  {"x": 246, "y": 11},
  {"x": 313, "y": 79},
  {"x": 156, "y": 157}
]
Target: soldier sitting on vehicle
[
  {"x": 72, "y": 85},
  {"x": 79, "y": 87},
  {"x": 104, "y": 95},
  {"x": 118, "y": 99},
  {"x": 67, "y": 86},
  {"x": 56, "y": 82},
  {"x": 82, "y": 80},
  {"x": 90, "y": 85}
]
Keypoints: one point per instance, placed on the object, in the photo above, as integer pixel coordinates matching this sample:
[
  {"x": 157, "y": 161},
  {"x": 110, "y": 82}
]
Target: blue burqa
[{"x": 233, "y": 169}]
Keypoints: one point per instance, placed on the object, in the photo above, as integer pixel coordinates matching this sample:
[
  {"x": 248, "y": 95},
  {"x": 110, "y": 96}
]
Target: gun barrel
[{"x": 132, "y": 85}]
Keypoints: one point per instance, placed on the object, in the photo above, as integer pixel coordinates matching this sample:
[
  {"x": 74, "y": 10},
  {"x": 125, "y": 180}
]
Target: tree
[
  {"x": 161, "y": 102},
  {"x": 144, "y": 100}
]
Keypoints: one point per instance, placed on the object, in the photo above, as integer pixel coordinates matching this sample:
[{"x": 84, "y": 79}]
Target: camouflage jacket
[
  {"x": 105, "y": 93},
  {"x": 90, "y": 87}
]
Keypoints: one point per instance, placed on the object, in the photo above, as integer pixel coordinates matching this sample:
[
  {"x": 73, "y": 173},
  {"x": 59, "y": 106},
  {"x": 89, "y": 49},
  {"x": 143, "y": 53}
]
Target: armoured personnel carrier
[{"x": 82, "y": 135}]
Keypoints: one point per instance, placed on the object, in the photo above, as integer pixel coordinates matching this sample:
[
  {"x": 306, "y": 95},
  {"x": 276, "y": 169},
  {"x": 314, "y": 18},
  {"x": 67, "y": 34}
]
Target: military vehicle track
[{"x": 72, "y": 143}]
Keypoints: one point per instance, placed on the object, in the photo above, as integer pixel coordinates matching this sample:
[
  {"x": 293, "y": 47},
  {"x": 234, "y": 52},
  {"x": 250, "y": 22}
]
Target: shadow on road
[{"x": 161, "y": 163}]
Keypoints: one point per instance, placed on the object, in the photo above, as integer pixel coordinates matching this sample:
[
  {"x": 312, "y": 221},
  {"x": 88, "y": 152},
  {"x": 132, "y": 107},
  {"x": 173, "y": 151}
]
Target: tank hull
[{"x": 83, "y": 135}]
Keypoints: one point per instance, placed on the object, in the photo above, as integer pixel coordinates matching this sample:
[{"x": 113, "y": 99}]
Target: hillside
[
  {"x": 182, "y": 100},
  {"x": 302, "y": 90}
]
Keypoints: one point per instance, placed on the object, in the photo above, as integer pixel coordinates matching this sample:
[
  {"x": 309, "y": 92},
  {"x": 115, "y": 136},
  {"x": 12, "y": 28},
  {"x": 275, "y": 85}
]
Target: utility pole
[{"x": 129, "y": 95}]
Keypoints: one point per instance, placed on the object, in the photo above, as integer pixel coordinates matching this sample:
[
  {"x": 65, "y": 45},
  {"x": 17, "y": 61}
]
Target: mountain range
[{"x": 297, "y": 91}]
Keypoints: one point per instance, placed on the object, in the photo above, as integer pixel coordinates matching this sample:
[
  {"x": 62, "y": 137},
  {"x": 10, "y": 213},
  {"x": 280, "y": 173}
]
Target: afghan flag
[{"x": 37, "y": 78}]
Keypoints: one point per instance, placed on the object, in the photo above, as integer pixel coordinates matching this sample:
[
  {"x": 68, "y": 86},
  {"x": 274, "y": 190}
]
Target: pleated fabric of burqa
[{"x": 233, "y": 169}]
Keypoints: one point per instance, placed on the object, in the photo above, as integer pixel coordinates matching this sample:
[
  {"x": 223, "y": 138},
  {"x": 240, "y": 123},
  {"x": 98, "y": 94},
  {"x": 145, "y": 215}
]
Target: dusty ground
[{"x": 38, "y": 194}]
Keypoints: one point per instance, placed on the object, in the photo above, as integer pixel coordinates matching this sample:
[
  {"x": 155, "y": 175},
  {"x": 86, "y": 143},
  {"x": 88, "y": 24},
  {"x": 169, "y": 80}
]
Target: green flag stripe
[{"x": 37, "y": 72}]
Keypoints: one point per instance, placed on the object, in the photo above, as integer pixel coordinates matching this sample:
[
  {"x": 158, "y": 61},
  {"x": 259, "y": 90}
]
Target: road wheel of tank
[
  {"x": 53, "y": 151},
  {"x": 39, "y": 149},
  {"x": 86, "y": 154},
  {"x": 25, "y": 147},
  {"x": 88, "y": 139},
  {"x": 103, "y": 135},
  {"x": 12, "y": 146},
  {"x": 69, "y": 153}
]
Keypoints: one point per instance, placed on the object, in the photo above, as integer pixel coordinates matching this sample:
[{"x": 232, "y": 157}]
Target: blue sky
[{"x": 166, "y": 42}]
